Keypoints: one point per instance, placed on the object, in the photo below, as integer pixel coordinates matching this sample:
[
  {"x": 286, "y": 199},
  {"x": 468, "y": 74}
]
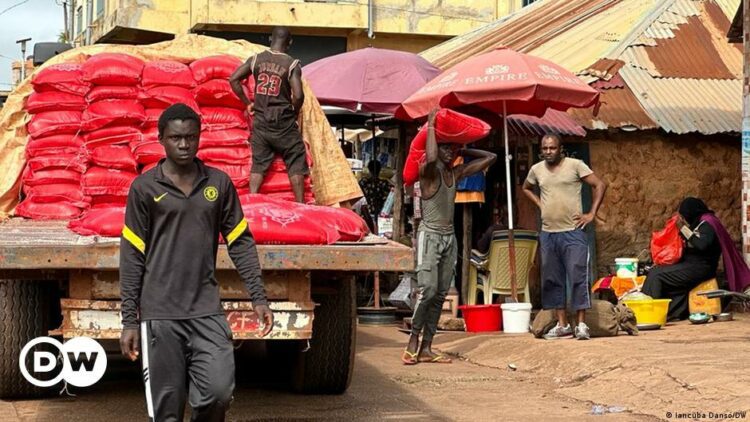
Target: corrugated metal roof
[
  {"x": 619, "y": 108},
  {"x": 675, "y": 48},
  {"x": 554, "y": 121},
  {"x": 683, "y": 105}
]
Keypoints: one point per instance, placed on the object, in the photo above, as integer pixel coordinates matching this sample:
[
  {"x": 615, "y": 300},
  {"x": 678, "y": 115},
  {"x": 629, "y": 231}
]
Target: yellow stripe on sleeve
[
  {"x": 134, "y": 240},
  {"x": 237, "y": 231}
]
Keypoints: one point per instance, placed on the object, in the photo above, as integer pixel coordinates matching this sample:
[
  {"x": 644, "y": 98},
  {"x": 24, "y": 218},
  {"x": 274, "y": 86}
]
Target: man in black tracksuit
[{"x": 170, "y": 297}]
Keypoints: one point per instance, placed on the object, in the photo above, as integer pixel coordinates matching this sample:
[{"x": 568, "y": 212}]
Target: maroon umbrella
[{"x": 371, "y": 80}]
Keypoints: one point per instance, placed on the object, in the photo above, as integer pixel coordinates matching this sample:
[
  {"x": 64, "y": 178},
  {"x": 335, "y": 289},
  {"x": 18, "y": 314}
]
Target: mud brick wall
[{"x": 649, "y": 173}]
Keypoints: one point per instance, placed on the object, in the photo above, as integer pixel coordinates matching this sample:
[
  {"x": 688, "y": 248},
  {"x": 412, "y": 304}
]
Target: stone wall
[{"x": 649, "y": 173}]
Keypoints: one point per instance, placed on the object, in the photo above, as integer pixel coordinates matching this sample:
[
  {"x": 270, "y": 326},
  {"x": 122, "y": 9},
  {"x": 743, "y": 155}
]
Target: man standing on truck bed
[
  {"x": 278, "y": 101},
  {"x": 437, "y": 248},
  {"x": 170, "y": 298}
]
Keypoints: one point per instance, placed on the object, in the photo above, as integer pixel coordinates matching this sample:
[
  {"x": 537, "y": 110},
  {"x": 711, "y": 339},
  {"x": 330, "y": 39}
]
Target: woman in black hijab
[{"x": 699, "y": 262}]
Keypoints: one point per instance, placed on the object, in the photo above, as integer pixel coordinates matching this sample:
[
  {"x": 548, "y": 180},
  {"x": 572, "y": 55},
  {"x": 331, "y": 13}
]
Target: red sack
[
  {"x": 113, "y": 135},
  {"x": 113, "y": 113},
  {"x": 112, "y": 69},
  {"x": 274, "y": 222},
  {"x": 238, "y": 173},
  {"x": 40, "y": 102},
  {"x": 103, "y": 181},
  {"x": 74, "y": 162},
  {"x": 106, "y": 222},
  {"x": 152, "y": 118},
  {"x": 217, "y": 93},
  {"x": 47, "y": 211},
  {"x": 279, "y": 182},
  {"x": 54, "y": 145},
  {"x": 54, "y": 123},
  {"x": 63, "y": 77},
  {"x": 57, "y": 192},
  {"x": 148, "y": 167},
  {"x": 220, "y": 118},
  {"x": 108, "y": 201},
  {"x": 167, "y": 73},
  {"x": 350, "y": 226},
  {"x": 214, "y": 67},
  {"x": 50, "y": 176},
  {"x": 279, "y": 166},
  {"x": 114, "y": 156},
  {"x": 667, "y": 244},
  {"x": 224, "y": 138},
  {"x": 308, "y": 199},
  {"x": 166, "y": 96},
  {"x": 229, "y": 155},
  {"x": 148, "y": 152},
  {"x": 103, "y": 93}
]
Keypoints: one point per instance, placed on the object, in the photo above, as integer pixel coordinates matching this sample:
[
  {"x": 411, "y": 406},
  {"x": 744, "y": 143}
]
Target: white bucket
[
  {"x": 516, "y": 317},
  {"x": 626, "y": 267}
]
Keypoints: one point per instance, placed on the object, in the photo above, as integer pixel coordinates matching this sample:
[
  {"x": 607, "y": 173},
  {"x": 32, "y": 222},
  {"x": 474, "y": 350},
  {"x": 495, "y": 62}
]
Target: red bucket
[{"x": 482, "y": 318}]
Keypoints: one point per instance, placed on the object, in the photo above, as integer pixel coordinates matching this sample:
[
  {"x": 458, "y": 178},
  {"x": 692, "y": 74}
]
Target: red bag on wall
[
  {"x": 63, "y": 77},
  {"x": 229, "y": 155},
  {"x": 667, "y": 244},
  {"x": 148, "y": 152},
  {"x": 113, "y": 135},
  {"x": 220, "y": 118},
  {"x": 214, "y": 67},
  {"x": 112, "y": 69},
  {"x": 152, "y": 118},
  {"x": 74, "y": 162},
  {"x": 54, "y": 123},
  {"x": 238, "y": 173},
  {"x": 100, "y": 222},
  {"x": 103, "y": 93},
  {"x": 217, "y": 93},
  {"x": 54, "y": 145},
  {"x": 39, "y": 102},
  {"x": 103, "y": 181},
  {"x": 224, "y": 138},
  {"x": 166, "y": 73},
  {"x": 50, "y": 176},
  {"x": 57, "y": 192},
  {"x": 113, "y": 113},
  {"x": 166, "y": 96},
  {"x": 114, "y": 156},
  {"x": 47, "y": 211}
]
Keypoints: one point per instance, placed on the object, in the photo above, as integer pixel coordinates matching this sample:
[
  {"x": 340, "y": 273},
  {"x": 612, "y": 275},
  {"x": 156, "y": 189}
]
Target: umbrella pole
[{"x": 511, "y": 241}]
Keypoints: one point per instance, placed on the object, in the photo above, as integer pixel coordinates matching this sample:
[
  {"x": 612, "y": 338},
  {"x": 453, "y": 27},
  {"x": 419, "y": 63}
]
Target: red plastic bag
[
  {"x": 105, "y": 221},
  {"x": 224, "y": 138},
  {"x": 102, "y": 93},
  {"x": 279, "y": 182},
  {"x": 219, "y": 118},
  {"x": 63, "y": 77},
  {"x": 114, "y": 156},
  {"x": 103, "y": 181},
  {"x": 148, "y": 152},
  {"x": 108, "y": 201},
  {"x": 54, "y": 145},
  {"x": 47, "y": 211},
  {"x": 74, "y": 162},
  {"x": 113, "y": 135},
  {"x": 113, "y": 113},
  {"x": 166, "y": 96},
  {"x": 238, "y": 173},
  {"x": 229, "y": 155},
  {"x": 217, "y": 93},
  {"x": 165, "y": 73},
  {"x": 54, "y": 123},
  {"x": 50, "y": 176},
  {"x": 39, "y": 102},
  {"x": 214, "y": 67},
  {"x": 57, "y": 192},
  {"x": 112, "y": 69},
  {"x": 152, "y": 118},
  {"x": 277, "y": 222},
  {"x": 667, "y": 244}
]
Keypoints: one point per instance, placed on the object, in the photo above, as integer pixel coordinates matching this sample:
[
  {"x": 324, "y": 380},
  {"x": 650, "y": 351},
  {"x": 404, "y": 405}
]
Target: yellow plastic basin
[{"x": 653, "y": 311}]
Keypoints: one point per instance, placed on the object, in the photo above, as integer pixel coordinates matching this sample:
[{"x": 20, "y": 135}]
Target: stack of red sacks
[
  {"x": 226, "y": 127},
  {"x": 276, "y": 184},
  {"x": 56, "y": 159}
]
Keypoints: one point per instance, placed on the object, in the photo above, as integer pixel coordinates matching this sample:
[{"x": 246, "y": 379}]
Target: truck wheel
[
  {"x": 326, "y": 368},
  {"x": 24, "y": 314}
]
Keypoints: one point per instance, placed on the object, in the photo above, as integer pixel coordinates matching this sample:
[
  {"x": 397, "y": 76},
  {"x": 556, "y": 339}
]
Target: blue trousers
[{"x": 565, "y": 256}]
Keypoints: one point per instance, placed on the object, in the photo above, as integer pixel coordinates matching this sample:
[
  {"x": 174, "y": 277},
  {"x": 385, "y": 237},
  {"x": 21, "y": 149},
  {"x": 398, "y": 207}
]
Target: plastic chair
[{"x": 492, "y": 275}]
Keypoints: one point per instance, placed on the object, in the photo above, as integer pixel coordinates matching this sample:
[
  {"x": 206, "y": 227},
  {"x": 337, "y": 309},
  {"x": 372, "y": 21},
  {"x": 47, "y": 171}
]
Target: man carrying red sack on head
[
  {"x": 278, "y": 101},
  {"x": 437, "y": 248}
]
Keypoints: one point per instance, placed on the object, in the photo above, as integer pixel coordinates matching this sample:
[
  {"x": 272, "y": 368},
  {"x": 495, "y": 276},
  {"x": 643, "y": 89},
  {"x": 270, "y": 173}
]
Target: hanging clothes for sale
[{"x": 470, "y": 189}]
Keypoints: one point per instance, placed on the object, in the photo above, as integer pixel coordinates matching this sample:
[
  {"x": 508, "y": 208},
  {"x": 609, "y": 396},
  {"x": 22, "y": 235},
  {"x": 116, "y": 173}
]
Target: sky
[{"x": 40, "y": 20}]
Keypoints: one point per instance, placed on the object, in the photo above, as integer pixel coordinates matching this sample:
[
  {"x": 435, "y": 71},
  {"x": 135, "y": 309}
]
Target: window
[
  {"x": 79, "y": 20},
  {"x": 527, "y": 2},
  {"x": 100, "y": 8}
]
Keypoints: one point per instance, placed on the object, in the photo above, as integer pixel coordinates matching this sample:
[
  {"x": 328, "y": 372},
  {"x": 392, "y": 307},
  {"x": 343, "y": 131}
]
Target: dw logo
[{"x": 83, "y": 362}]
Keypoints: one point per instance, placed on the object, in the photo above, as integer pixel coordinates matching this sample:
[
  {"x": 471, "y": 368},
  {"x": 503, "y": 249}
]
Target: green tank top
[{"x": 437, "y": 211}]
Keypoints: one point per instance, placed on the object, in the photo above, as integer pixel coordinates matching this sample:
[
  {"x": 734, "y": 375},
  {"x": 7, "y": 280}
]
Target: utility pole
[
  {"x": 23, "y": 56},
  {"x": 68, "y": 32},
  {"x": 746, "y": 130}
]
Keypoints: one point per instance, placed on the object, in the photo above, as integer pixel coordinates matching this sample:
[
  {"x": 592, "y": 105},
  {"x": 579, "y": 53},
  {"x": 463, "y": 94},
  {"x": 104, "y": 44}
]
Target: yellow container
[
  {"x": 698, "y": 303},
  {"x": 652, "y": 311}
]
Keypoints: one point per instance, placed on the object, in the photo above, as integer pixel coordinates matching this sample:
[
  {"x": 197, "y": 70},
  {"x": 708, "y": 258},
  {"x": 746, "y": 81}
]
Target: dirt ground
[{"x": 679, "y": 369}]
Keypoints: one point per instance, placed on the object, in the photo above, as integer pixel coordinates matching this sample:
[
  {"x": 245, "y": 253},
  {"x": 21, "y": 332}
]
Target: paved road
[{"x": 383, "y": 389}]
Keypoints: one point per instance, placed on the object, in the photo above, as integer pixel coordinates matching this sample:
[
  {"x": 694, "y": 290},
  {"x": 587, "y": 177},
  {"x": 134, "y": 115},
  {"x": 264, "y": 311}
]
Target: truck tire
[
  {"x": 24, "y": 315},
  {"x": 327, "y": 367}
]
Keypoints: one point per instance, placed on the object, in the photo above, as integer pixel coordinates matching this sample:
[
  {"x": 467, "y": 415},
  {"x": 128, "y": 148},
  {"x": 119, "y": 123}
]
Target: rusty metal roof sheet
[
  {"x": 683, "y": 105},
  {"x": 553, "y": 121},
  {"x": 619, "y": 109}
]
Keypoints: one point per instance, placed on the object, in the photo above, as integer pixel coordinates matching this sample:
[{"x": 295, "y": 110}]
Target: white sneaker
[
  {"x": 558, "y": 331},
  {"x": 582, "y": 331}
]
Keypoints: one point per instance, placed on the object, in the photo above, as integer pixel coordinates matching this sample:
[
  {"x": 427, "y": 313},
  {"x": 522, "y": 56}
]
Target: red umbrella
[
  {"x": 505, "y": 82},
  {"x": 371, "y": 80}
]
